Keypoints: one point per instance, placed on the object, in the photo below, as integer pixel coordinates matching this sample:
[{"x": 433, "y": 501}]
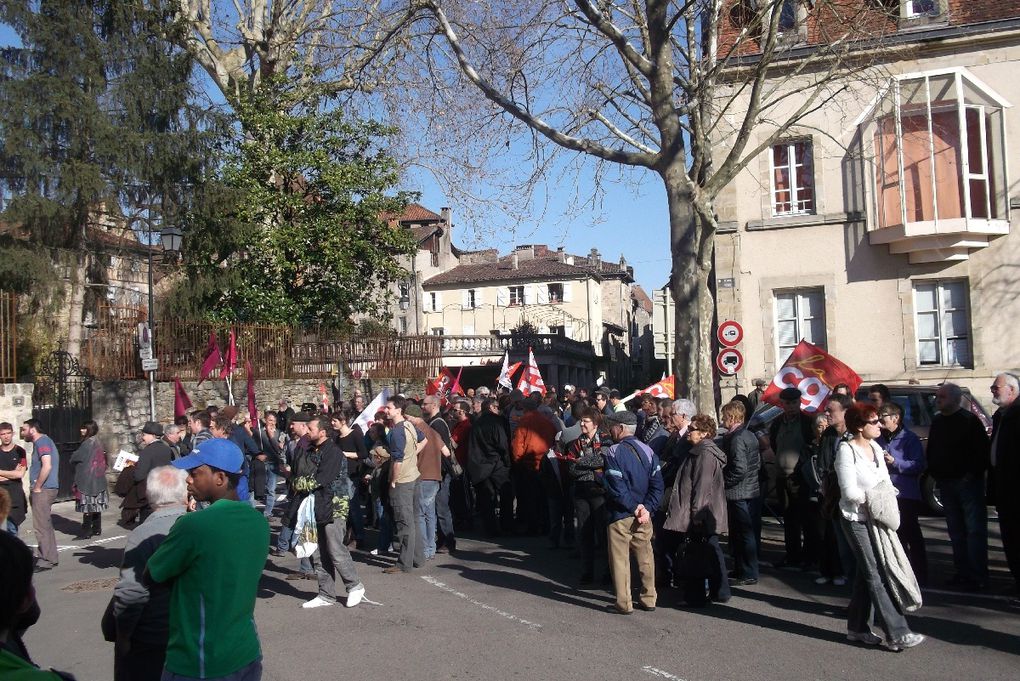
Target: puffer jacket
[
  {"x": 743, "y": 461},
  {"x": 698, "y": 501}
]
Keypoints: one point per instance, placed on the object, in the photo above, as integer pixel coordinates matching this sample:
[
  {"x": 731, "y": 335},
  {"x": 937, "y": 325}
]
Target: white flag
[
  {"x": 504, "y": 373},
  {"x": 367, "y": 417}
]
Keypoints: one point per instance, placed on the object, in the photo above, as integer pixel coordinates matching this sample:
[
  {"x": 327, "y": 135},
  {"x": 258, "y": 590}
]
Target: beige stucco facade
[{"x": 869, "y": 285}]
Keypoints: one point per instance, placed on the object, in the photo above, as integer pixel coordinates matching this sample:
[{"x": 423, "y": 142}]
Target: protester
[
  {"x": 431, "y": 408},
  {"x": 297, "y": 465},
  {"x": 879, "y": 395},
  {"x": 461, "y": 491},
  {"x": 790, "y": 437},
  {"x": 674, "y": 452},
  {"x": 215, "y": 559},
  {"x": 44, "y": 481},
  {"x": 430, "y": 470},
  {"x": 586, "y": 467},
  {"x": 836, "y": 562},
  {"x": 18, "y": 611},
  {"x": 13, "y": 466},
  {"x": 740, "y": 476},
  {"x": 330, "y": 488},
  {"x": 904, "y": 457},
  {"x": 91, "y": 493},
  {"x": 351, "y": 442},
  {"x": 172, "y": 437},
  {"x": 697, "y": 508},
  {"x": 633, "y": 480},
  {"x": 489, "y": 469},
  {"x": 754, "y": 398},
  {"x": 403, "y": 443},
  {"x": 155, "y": 453},
  {"x": 141, "y": 611},
  {"x": 532, "y": 440},
  {"x": 271, "y": 441},
  {"x": 199, "y": 425},
  {"x": 860, "y": 470},
  {"x": 1005, "y": 463}
]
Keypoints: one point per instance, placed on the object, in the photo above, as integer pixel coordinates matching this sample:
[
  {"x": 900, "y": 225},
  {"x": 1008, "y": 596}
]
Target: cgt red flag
[
  {"x": 664, "y": 388},
  {"x": 213, "y": 358},
  {"x": 445, "y": 384},
  {"x": 182, "y": 403},
  {"x": 253, "y": 409},
  {"x": 230, "y": 361},
  {"x": 815, "y": 373}
]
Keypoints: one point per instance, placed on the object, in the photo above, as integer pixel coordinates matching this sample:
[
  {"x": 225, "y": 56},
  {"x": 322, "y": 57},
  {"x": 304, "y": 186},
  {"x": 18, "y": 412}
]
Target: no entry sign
[
  {"x": 729, "y": 361},
  {"x": 730, "y": 333}
]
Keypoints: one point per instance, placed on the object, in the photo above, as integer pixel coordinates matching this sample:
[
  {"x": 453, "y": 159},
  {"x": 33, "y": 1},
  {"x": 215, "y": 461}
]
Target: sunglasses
[{"x": 873, "y": 422}]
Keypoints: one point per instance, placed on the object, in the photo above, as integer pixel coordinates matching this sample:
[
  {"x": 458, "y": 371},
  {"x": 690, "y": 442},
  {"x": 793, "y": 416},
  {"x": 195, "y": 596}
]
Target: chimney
[
  {"x": 444, "y": 213},
  {"x": 514, "y": 262},
  {"x": 623, "y": 262},
  {"x": 561, "y": 255},
  {"x": 596, "y": 259}
]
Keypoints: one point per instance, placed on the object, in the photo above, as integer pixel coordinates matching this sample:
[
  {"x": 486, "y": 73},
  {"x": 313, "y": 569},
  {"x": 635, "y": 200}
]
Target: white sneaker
[
  {"x": 317, "y": 602},
  {"x": 374, "y": 552},
  {"x": 355, "y": 595},
  {"x": 821, "y": 580},
  {"x": 839, "y": 581}
]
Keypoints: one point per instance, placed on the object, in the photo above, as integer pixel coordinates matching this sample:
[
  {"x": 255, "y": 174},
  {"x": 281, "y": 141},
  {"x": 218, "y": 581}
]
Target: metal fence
[
  {"x": 8, "y": 337},
  {"x": 275, "y": 351}
]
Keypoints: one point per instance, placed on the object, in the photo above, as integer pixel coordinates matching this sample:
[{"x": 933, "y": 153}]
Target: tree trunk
[
  {"x": 691, "y": 248},
  {"x": 76, "y": 311}
]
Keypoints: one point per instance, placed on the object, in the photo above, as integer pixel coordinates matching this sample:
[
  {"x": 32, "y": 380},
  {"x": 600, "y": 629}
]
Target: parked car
[{"x": 918, "y": 403}]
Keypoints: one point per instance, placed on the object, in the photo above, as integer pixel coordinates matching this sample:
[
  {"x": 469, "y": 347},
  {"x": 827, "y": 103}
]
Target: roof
[
  {"x": 413, "y": 213},
  {"x": 532, "y": 269},
  {"x": 641, "y": 298}
]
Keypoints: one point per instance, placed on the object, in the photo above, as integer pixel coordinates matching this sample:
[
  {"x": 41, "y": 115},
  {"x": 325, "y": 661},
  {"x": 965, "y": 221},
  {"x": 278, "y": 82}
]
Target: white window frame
[
  {"x": 515, "y": 296},
  {"x": 552, "y": 298},
  {"x": 939, "y": 285},
  {"x": 794, "y": 188},
  {"x": 798, "y": 294},
  {"x": 908, "y": 9}
]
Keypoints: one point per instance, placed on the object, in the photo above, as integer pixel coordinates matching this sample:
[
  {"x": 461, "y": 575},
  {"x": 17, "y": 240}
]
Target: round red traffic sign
[
  {"x": 729, "y": 361},
  {"x": 730, "y": 333}
]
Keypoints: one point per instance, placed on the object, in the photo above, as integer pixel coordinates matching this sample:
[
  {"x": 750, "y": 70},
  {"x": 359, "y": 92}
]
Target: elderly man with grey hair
[
  {"x": 958, "y": 451},
  {"x": 672, "y": 454},
  {"x": 141, "y": 610},
  {"x": 1006, "y": 466}
]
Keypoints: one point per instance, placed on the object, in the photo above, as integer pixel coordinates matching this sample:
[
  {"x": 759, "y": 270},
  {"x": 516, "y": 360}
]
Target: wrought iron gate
[{"x": 62, "y": 400}]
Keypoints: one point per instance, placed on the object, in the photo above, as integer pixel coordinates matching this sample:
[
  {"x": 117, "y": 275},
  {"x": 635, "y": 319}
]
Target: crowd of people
[{"x": 658, "y": 480}]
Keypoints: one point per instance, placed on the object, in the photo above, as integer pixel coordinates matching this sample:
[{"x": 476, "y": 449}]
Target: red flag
[
  {"x": 230, "y": 361},
  {"x": 253, "y": 409},
  {"x": 182, "y": 403},
  {"x": 664, "y": 388},
  {"x": 456, "y": 389},
  {"x": 814, "y": 372},
  {"x": 212, "y": 359},
  {"x": 531, "y": 379},
  {"x": 322, "y": 396},
  {"x": 443, "y": 384}
]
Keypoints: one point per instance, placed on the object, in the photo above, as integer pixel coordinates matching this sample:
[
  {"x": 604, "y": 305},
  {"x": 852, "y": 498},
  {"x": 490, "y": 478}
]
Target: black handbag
[{"x": 696, "y": 558}]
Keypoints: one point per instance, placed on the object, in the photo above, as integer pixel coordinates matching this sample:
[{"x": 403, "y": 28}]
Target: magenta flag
[{"x": 213, "y": 358}]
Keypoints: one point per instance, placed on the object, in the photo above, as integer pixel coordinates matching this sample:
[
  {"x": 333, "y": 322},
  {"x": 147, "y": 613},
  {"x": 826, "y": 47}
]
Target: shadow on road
[{"x": 99, "y": 556}]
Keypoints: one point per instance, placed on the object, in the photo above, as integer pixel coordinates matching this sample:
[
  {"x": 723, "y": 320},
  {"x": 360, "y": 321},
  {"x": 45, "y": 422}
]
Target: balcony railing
[{"x": 547, "y": 343}]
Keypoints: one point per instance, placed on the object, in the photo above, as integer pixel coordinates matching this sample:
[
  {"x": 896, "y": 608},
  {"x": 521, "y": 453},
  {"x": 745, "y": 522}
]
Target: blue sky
[{"x": 631, "y": 217}]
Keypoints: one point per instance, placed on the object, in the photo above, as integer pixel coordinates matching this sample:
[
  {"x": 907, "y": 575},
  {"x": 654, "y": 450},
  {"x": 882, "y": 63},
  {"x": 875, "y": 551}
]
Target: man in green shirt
[{"x": 215, "y": 558}]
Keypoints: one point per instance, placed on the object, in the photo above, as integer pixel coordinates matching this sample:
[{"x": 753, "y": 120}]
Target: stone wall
[
  {"x": 16, "y": 403},
  {"x": 122, "y": 407}
]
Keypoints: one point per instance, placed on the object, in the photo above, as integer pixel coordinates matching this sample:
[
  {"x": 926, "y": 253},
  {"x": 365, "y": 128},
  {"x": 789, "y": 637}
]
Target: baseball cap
[{"x": 216, "y": 453}]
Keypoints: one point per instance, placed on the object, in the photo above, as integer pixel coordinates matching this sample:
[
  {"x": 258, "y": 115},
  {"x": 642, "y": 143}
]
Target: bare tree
[{"x": 691, "y": 90}]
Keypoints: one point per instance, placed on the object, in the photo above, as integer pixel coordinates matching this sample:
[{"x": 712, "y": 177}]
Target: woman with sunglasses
[{"x": 860, "y": 467}]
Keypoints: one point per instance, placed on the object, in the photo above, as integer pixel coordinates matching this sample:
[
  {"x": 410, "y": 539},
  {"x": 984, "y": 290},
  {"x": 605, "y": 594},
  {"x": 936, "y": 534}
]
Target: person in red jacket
[{"x": 534, "y": 437}]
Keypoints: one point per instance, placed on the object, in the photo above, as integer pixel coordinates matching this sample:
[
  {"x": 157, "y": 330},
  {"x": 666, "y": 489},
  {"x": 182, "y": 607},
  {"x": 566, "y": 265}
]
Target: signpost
[
  {"x": 730, "y": 333},
  {"x": 729, "y": 361}
]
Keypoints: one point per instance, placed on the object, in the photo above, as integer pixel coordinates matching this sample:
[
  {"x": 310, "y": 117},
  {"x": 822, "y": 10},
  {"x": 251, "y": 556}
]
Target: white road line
[
  {"x": 658, "y": 673},
  {"x": 83, "y": 546},
  {"x": 502, "y": 613}
]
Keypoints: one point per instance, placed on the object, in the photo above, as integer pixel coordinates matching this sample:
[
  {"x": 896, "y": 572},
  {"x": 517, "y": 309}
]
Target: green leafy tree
[
  {"x": 306, "y": 241},
  {"x": 96, "y": 132}
]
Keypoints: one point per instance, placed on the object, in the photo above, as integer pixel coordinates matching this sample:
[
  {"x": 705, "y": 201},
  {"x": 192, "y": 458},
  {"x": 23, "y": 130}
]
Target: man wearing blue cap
[{"x": 215, "y": 558}]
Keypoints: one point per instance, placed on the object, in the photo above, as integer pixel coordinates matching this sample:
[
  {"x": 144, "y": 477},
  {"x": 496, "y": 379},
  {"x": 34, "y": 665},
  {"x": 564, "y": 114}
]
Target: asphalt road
[{"x": 511, "y": 610}]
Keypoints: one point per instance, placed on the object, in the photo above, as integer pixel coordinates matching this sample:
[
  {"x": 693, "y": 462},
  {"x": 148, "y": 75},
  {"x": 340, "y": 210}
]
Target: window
[
  {"x": 470, "y": 299},
  {"x": 558, "y": 330},
  {"x": 438, "y": 331},
  {"x": 788, "y": 16},
  {"x": 939, "y": 149},
  {"x": 555, "y": 293},
  {"x": 793, "y": 180},
  {"x": 403, "y": 325},
  {"x": 920, "y": 8},
  {"x": 941, "y": 320},
  {"x": 516, "y": 295},
  {"x": 405, "y": 290},
  {"x": 800, "y": 315},
  {"x": 433, "y": 301}
]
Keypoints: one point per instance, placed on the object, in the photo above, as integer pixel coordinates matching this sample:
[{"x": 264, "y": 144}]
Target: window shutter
[
  {"x": 568, "y": 329},
  {"x": 529, "y": 294},
  {"x": 479, "y": 298},
  {"x": 502, "y": 296},
  {"x": 466, "y": 299},
  {"x": 567, "y": 297},
  {"x": 543, "y": 293},
  {"x": 439, "y": 302}
]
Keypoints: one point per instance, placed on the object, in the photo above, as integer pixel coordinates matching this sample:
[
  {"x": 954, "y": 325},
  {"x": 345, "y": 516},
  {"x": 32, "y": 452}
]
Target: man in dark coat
[
  {"x": 790, "y": 437},
  {"x": 155, "y": 453},
  {"x": 1006, "y": 466},
  {"x": 740, "y": 476},
  {"x": 489, "y": 468}
]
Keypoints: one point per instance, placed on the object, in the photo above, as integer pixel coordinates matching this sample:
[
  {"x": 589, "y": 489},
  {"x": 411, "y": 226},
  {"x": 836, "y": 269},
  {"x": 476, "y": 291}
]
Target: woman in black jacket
[{"x": 585, "y": 464}]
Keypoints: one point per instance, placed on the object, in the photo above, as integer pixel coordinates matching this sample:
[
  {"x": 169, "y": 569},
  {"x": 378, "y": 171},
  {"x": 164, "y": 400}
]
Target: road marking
[
  {"x": 502, "y": 613},
  {"x": 659, "y": 673},
  {"x": 84, "y": 546}
]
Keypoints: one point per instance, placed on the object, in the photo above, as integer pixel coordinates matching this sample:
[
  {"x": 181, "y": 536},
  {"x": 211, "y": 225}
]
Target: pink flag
[
  {"x": 212, "y": 359},
  {"x": 182, "y": 403},
  {"x": 230, "y": 361},
  {"x": 253, "y": 409}
]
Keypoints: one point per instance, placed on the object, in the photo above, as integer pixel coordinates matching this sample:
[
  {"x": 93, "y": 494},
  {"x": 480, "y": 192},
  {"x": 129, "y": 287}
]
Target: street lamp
[{"x": 170, "y": 238}]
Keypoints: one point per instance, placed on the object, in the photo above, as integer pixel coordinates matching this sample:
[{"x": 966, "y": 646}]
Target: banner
[
  {"x": 815, "y": 373},
  {"x": 213, "y": 358},
  {"x": 531, "y": 379},
  {"x": 230, "y": 361},
  {"x": 664, "y": 388},
  {"x": 182, "y": 403},
  {"x": 366, "y": 417},
  {"x": 445, "y": 384},
  {"x": 253, "y": 409}
]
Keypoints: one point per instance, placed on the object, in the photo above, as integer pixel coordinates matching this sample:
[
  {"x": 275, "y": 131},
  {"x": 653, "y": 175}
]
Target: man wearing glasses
[{"x": 904, "y": 455}]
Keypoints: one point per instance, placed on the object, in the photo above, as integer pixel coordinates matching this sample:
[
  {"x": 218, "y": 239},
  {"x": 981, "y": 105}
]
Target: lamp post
[{"x": 171, "y": 238}]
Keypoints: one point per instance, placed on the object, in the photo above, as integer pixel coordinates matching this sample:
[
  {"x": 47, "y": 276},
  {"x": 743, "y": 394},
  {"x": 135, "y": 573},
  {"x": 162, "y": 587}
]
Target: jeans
[
  {"x": 869, "y": 596},
  {"x": 334, "y": 559},
  {"x": 427, "y": 491},
  {"x": 967, "y": 522},
  {"x": 286, "y": 542},
  {"x": 743, "y": 546},
  {"x": 270, "y": 490},
  {"x": 385, "y": 527},
  {"x": 443, "y": 514},
  {"x": 356, "y": 517},
  {"x": 251, "y": 672},
  {"x": 11, "y": 527},
  {"x": 404, "y": 501}
]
